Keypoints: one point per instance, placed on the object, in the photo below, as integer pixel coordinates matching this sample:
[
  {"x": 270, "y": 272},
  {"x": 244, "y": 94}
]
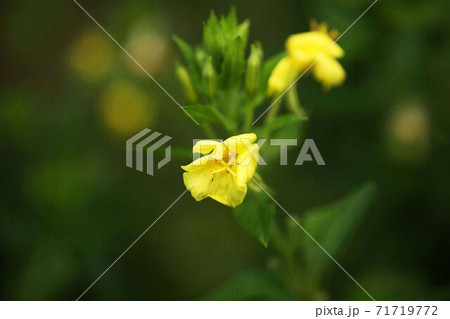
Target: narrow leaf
[
  {"x": 252, "y": 285},
  {"x": 202, "y": 113},
  {"x": 189, "y": 56},
  {"x": 332, "y": 226},
  {"x": 256, "y": 215},
  {"x": 185, "y": 49}
]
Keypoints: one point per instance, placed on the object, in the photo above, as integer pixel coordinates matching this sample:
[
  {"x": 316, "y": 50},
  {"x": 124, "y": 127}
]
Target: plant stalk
[
  {"x": 293, "y": 102},
  {"x": 273, "y": 111}
]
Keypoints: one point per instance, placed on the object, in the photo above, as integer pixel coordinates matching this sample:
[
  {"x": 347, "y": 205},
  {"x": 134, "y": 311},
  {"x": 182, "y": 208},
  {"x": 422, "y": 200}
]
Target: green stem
[
  {"x": 293, "y": 274},
  {"x": 228, "y": 125},
  {"x": 248, "y": 119},
  {"x": 209, "y": 131},
  {"x": 293, "y": 102},
  {"x": 273, "y": 111},
  {"x": 290, "y": 272},
  {"x": 254, "y": 102}
]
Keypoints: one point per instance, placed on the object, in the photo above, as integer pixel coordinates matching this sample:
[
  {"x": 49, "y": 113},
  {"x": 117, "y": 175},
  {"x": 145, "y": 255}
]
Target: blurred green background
[{"x": 70, "y": 98}]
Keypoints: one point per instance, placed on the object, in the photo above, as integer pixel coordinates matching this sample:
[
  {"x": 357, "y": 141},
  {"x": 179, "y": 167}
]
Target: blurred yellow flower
[
  {"x": 329, "y": 72},
  {"x": 408, "y": 132},
  {"x": 125, "y": 108},
  {"x": 314, "y": 48},
  {"x": 150, "y": 49},
  {"x": 91, "y": 56},
  {"x": 224, "y": 172}
]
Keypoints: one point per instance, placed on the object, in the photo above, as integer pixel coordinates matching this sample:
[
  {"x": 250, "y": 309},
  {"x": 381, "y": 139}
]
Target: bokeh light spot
[{"x": 125, "y": 108}]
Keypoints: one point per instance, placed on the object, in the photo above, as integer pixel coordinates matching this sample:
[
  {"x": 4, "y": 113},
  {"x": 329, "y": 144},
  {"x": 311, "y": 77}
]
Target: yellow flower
[
  {"x": 224, "y": 170},
  {"x": 305, "y": 48},
  {"x": 314, "y": 48}
]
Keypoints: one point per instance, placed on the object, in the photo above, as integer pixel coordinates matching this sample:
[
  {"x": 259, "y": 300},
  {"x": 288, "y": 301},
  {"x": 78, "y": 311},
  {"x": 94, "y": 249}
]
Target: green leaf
[
  {"x": 333, "y": 226},
  {"x": 242, "y": 31},
  {"x": 203, "y": 114},
  {"x": 51, "y": 263},
  {"x": 252, "y": 285},
  {"x": 256, "y": 215},
  {"x": 189, "y": 56},
  {"x": 282, "y": 121},
  {"x": 185, "y": 49}
]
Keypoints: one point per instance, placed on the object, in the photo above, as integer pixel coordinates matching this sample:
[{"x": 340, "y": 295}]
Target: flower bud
[
  {"x": 186, "y": 83},
  {"x": 209, "y": 78},
  {"x": 200, "y": 56},
  {"x": 253, "y": 68}
]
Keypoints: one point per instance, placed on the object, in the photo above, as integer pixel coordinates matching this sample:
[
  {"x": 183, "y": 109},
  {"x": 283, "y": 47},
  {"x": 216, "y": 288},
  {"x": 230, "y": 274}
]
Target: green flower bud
[
  {"x": 200, "y": 56},
  {"x": 253, "y": 68},
  {"x": 210, "y": 38},
  {"x": 209, "y": 77},
  {"x": 186, "y": 83}
]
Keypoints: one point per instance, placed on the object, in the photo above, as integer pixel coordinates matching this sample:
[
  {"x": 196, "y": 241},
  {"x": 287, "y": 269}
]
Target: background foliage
[{"x": 69, "y": 98}]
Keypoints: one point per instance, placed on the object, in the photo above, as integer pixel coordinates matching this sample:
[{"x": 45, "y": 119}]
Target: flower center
[{"x": 227, "y": 164}]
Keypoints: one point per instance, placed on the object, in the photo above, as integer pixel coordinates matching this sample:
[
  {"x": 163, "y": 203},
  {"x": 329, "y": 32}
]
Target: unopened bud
[
  {"x": 186, "y": 83},
  {"x": 209, "y": 77},
  {"x": 253, "y": 68}
]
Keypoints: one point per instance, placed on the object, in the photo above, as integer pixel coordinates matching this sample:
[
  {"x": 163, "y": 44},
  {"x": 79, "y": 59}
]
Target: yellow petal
[
  {"x": 248, "y": 161},
  {"x": 283, "y": 75},
  {"x": 224, "y": 173},
  {"x": 224, "y": 190},
  {"x": 250, "y": 154},
  {"x": 305, "y": 48},
  {"x": 198, "y": 180},
  {"x": 205, "y": 146},
  {"x": 237, "y": 144},
  {"x": 251, "y": 137},
  {"x": 221, "y": 188},
  {"x": 199, "y": 163},
  {"x": 329, "y": 72}
]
